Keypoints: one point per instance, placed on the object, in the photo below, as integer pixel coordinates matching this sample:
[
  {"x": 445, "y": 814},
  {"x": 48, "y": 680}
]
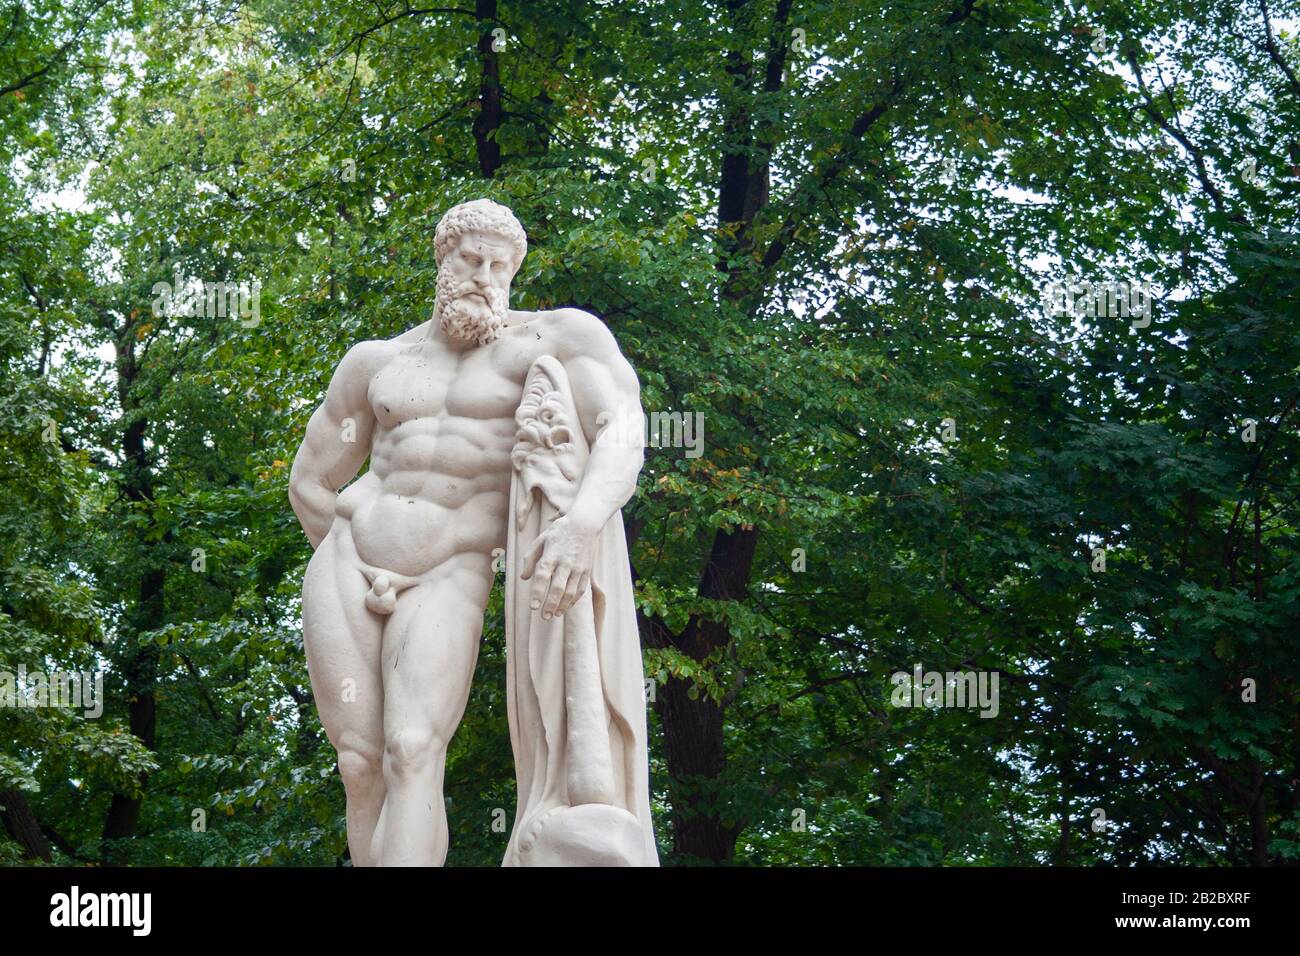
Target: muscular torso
[{"x": 439, "y": 478}]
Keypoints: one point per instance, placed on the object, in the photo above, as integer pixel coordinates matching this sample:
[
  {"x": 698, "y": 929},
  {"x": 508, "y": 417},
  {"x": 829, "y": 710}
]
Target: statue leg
[
  {"x": 342, "y": 640},
  {"x": 430, "y": 649}
]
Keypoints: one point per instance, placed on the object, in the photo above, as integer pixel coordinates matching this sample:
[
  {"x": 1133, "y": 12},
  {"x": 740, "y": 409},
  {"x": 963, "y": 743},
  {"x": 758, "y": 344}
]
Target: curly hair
[{"x": 478, "y": 215}]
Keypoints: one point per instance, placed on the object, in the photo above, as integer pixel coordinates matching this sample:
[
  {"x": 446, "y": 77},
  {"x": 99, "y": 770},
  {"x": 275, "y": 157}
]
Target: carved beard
[{"x": 468, "y": 320}]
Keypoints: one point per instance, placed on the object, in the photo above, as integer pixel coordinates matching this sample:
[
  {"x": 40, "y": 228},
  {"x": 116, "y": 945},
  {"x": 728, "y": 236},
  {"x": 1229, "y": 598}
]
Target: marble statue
[{"x": 486, "y": 429}]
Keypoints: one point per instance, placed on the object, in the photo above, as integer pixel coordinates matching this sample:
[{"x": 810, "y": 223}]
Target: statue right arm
[{"x": 337, "y": 441}]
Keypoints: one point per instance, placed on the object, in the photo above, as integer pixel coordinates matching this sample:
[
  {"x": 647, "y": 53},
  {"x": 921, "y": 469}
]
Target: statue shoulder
[
  {"x": 578, "y": 332},
  {"x": 364, "y": 359}
]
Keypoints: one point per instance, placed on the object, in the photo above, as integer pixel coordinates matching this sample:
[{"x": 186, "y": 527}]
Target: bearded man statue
[{"x": 485, "y": 429}]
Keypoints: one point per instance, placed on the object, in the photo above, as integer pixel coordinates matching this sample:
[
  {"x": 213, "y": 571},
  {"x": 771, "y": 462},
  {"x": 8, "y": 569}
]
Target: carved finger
[
  {"x": 556, "y": 591},
  {"x": 530, "y": 558},
  {"x": 572, "y": 591},
  {"x": 541, "y": 581}
]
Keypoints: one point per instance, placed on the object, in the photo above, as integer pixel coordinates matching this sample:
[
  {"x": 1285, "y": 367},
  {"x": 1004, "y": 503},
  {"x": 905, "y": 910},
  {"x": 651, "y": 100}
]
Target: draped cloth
[{"x": 574, "y": 684}]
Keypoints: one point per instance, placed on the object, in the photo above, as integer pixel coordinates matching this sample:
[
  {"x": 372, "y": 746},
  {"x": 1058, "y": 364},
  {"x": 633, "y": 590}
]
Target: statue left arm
[{"x": 608, "y": 400}]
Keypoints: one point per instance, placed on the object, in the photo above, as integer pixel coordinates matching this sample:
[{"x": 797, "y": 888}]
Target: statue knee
[
  {"x": 409, "y": 751},
  {"x": 360, "y": 765}
]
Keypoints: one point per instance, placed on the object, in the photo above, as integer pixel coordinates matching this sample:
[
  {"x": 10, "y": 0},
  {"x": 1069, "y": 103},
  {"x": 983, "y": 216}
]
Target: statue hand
[{"x": 562, "y": 557}]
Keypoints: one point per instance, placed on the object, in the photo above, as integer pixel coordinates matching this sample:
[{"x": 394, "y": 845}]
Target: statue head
[{"x": 478, "y": 246}]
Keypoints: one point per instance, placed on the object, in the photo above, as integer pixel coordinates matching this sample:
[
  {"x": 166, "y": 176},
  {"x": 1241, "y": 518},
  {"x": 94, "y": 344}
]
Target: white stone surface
[{"x": 394, "y": 595}]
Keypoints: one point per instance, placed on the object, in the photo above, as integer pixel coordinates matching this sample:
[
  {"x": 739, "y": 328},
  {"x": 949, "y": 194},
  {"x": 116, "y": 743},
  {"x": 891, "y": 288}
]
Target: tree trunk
[
  {"x": 488, "y": 121},
  {"x": 1258, "y": 816},
  {"x": 140, "y": 664},
  {"x": 693, "y": 729},
  {"x": 141, "y": 673},
  {"x": 21, "y": 825},
  {"x": 693, "y": 745}
]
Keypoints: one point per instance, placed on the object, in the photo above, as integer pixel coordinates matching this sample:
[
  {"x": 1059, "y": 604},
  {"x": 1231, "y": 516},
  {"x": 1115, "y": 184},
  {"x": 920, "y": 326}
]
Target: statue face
[
  {"x": 482, "y": 261},
  {"x": 474, "y": 287}
]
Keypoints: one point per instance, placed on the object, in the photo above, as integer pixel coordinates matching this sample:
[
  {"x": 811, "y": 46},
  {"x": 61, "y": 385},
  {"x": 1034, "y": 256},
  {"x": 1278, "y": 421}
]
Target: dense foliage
[{"x": 825, "y": 226}]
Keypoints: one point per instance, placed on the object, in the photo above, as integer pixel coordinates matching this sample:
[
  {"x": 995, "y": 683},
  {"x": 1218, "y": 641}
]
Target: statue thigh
[
  {"x": 342, "y": 640},
  {"x": 430, "y": 649}
]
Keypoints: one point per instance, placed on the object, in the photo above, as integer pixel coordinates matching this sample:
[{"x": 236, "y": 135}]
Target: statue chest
[{"x": 425, "y": 383}]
